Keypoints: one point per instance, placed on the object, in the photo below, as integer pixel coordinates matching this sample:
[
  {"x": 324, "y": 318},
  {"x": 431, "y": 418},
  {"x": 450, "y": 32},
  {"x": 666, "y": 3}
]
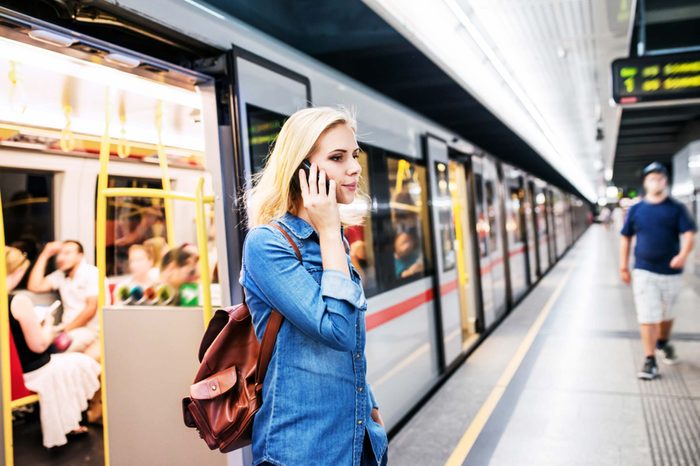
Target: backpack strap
[{"x": 273, "y": 325}]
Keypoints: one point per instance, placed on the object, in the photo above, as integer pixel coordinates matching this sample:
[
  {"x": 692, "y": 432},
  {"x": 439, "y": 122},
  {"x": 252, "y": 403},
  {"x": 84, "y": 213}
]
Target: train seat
[{"x": 21, "y": 395}]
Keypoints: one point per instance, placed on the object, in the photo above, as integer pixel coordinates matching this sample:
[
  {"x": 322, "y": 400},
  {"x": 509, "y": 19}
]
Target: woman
[
  {"x": 65, "y": 382},
  {"x": 317, "y": 406}
]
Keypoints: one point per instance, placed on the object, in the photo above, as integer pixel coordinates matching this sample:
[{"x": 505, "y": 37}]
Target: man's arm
[
  {"x": 38, "y": 283},
  {"x": 85, "y": 315},
  {"x": 688, "y": 242},
  {"x": 624, "y": 258}
]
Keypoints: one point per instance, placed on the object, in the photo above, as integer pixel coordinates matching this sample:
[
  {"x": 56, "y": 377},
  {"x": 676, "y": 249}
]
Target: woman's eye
[{"x": 336, "y": 158}]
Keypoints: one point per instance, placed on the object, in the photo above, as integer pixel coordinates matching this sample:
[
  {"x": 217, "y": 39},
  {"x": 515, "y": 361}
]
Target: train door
[
  {"x": 530, "y": 231},
  {"x": 542, "y": 227},
  {"x": 558, "y": 211},
  {"x": 490, "y": 247},
  {"x": 551, "y": 230},
  {"x": 447, "y": 271},
  {"x": 461, "y": 198},
  {"x": 516, "y": 231},
  {"x": 260, "y": 95}
]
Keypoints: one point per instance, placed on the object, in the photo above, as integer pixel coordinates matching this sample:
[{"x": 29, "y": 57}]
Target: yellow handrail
[
  {"x": 5, "y": 351},
  {"x": 101, "y": 262},
  {"x": 154, "y": 192},
  {"x": 203, "y": 247}
]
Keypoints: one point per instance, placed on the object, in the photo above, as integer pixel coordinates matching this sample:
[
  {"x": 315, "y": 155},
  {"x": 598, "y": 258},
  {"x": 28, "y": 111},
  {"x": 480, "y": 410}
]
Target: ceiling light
[
  {"x": 122, "y": 60},
  {"x": 206, "y": 9},
  {"x": 52, "y": 38}
]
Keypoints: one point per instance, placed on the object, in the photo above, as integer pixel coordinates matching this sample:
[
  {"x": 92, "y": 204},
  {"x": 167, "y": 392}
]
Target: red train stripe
[{"x": 378, "y": 318}]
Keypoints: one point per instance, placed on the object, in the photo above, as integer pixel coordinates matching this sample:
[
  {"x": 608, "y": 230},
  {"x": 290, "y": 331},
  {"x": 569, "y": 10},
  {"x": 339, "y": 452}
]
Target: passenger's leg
[
  {"x": 650, "y": 333},
  {"x": 665, "y": 330}
]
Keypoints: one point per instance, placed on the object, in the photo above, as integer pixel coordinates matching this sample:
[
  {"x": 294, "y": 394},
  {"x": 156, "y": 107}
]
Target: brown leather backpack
[{"x": 227, "y": 390}]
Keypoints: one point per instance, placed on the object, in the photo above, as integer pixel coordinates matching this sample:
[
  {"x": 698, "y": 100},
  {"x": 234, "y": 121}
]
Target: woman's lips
[{"x": 350, "y": 186}]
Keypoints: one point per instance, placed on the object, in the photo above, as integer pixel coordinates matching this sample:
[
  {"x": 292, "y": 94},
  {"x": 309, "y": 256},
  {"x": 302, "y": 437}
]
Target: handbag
[{"x": 227, "y": 390}]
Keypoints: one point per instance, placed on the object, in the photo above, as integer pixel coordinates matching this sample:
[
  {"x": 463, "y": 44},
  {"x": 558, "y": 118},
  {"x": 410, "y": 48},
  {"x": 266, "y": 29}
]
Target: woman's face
[{"x": 337, "y": 154}]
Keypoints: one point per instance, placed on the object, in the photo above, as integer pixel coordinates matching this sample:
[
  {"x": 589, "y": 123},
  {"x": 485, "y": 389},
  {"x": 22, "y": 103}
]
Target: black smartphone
[{"x": 307, "y": 168}]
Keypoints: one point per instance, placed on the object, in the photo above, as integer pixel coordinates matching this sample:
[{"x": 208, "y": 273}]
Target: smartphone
[{"x": 307, "y": 168}]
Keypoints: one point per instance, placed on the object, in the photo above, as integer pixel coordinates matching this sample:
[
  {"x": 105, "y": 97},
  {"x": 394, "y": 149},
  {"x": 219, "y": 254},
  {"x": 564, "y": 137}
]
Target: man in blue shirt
[{"x": 657, "y": 222}]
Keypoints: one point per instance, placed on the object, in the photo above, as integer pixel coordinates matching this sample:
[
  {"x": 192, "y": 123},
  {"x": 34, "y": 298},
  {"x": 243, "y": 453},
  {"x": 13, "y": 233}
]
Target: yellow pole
[
  {"x": 165, "y": 178},
  {"x": 5, "y": 351},
  {"x": 205, "y": 279},
  {"x": 101, "y": 261}
]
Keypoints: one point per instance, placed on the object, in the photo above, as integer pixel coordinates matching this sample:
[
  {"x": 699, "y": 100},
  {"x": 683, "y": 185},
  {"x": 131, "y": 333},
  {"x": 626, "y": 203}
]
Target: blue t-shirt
[{"x": 657, "y": 228}]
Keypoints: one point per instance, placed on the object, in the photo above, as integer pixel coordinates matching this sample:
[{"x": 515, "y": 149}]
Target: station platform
[{"x": 556, "y": 383}]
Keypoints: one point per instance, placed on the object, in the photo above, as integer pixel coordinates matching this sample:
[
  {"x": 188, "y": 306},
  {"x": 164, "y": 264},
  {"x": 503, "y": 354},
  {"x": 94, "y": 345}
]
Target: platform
[{"x": 555, "y": 384}]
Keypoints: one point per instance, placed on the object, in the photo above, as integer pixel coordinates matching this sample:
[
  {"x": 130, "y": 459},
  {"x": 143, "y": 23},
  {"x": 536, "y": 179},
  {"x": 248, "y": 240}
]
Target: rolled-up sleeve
[
  {"x": 324, "y": 312},
  {"x": 337, "y": 285},
  {"x": 372, "y": 398}
]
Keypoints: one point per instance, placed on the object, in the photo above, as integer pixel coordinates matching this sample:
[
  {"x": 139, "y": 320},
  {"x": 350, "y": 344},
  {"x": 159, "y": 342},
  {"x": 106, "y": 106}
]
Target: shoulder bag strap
[{"x": 273, "y": 325}]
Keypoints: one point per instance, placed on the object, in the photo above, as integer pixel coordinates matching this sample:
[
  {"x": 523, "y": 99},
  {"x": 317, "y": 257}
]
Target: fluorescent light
[
  {"x": 84, "y": 70},
  {"x": 444, "y": 33},
  {"x": 206, "y": 9},
  {"x": 122, "y": 60},
  {"x": 52, "y": 38}
]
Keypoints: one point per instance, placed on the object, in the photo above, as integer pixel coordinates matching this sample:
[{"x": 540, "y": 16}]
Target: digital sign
[{"x": 662, "y": 77}]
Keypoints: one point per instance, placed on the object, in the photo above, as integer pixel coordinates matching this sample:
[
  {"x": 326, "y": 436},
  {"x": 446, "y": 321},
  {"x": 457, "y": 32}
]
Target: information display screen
[
  {"x": 263, "y": 128},
  {"x": 662, "y": 77}
]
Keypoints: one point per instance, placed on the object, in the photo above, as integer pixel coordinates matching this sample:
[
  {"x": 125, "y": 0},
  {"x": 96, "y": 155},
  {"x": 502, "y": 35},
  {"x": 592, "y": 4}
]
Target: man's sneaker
[
  {"x": 649, "y": 371},
  {"x": 670, "y": 356}
]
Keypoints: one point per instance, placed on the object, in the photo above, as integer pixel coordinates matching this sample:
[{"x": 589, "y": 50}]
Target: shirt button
[
  {"x": 357, "y": 355},
  {"x": 359, "y": 422},
  {"x": 359, "y": 389}
]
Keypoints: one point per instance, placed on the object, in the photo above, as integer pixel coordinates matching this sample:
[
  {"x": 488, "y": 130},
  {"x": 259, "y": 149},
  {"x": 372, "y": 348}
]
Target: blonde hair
[
  {"x": 274, "y": 191},
  {"x": 14, "y": 259}
]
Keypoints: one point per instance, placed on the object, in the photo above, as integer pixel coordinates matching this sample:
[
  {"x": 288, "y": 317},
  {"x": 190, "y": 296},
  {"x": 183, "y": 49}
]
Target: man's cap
[{"x": 654, "y": 167}]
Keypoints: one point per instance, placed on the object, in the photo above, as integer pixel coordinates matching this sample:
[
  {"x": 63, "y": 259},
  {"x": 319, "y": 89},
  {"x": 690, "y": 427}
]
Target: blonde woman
[
  {"x": 317, "y": 405},
  {"x": 65, "y": 382}
]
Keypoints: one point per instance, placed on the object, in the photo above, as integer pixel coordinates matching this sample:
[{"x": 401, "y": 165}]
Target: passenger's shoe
[
  {"x": 649, "y": 371},
  {"x": 670, "y": 356}
]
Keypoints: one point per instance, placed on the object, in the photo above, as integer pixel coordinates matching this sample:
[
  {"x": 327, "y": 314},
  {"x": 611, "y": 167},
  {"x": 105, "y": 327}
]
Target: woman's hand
[
  {"x": 321, "y": 206},
  {"x": 377, "y": 417}
]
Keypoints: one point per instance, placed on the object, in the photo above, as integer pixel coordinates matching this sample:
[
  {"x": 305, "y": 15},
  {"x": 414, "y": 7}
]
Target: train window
[
  {"x": 27, "y": 210},
  {"x": 513, "y": 226},
  {"x": 482, "y": 223},
  {"x": 408, "y": 204},
  {"x": 446, "y": 225},
  {"x": 263, "y": 128},
  {"x": 490, "y": 194},
  {"x": 131, "y": 221},
  {"x": 360, "y": 237}
]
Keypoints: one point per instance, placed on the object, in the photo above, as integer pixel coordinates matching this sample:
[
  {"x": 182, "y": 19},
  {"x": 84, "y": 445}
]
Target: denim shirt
[{"x": 316, "y": 399}]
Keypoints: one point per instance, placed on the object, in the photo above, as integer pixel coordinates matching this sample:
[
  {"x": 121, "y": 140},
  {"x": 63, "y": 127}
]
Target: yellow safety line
[
  {"x": 5, "y": 351},
  {"x": 467, "y": 441},
  {"x": 101, "y": 262},
  {"x": 205, "y": 279}
]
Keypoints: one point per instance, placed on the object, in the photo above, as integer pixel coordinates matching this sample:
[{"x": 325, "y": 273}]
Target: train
[{"x": 481, "y": 233}]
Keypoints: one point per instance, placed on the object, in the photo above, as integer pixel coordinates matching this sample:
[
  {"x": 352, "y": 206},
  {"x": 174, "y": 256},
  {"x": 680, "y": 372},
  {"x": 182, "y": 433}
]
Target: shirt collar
[{"x": 298, "y": 226}]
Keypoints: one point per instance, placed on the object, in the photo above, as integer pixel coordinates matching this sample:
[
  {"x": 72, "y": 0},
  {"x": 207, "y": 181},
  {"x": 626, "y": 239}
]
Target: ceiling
[{"x": 656, "y": 133}]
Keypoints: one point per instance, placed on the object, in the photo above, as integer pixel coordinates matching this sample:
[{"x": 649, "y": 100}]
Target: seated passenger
[
  {"x": 157, "y": 247},
  {"x": 65, "y": 382},
  {"x": 179, "y": 266},
  {"x": 407, "y": 257},
  {"x": 76, "y": 282},
  {"x": 141, "y": 268}
]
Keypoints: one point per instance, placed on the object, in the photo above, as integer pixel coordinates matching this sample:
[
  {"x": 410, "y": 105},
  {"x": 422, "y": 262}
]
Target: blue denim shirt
[{"x": 316, "y": 399}]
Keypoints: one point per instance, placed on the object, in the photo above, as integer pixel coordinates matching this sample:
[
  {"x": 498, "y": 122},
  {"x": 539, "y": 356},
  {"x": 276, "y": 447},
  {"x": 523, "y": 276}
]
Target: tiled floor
[{"x": 575, "y": 399}]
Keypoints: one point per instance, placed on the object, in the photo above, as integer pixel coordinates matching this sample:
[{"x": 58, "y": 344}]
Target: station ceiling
[{"x": 658, "y": 132}]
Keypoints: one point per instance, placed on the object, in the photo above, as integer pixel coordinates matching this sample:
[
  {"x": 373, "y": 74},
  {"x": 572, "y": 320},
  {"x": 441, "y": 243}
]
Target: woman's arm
[
  {"x": 37, "y": 336},
  {"x": 326, "y": 312}
]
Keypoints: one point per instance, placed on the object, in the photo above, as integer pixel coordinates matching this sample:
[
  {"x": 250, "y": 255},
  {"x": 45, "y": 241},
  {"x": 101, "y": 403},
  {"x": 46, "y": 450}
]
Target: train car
[{"x": 481, "y": 232}]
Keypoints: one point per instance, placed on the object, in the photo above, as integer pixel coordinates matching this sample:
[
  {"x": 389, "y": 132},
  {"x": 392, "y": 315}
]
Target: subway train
[{"x": 454, "y": 238}]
